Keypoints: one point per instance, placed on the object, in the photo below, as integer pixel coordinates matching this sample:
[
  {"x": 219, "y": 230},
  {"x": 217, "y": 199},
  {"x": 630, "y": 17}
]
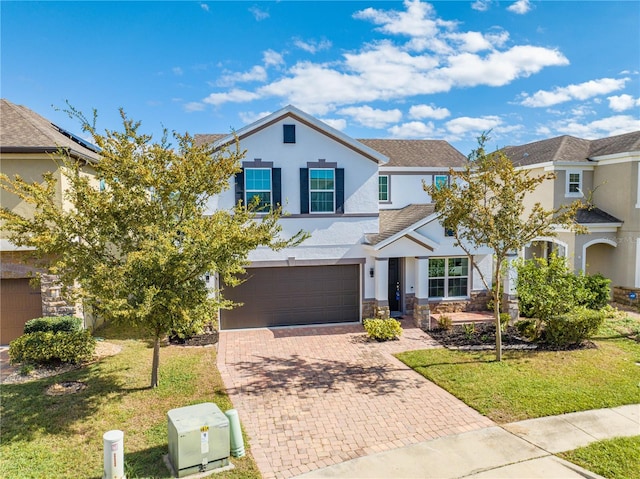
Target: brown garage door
[
  {"x": 19, "y": 303},
  {"x": 294, "y": 296}
]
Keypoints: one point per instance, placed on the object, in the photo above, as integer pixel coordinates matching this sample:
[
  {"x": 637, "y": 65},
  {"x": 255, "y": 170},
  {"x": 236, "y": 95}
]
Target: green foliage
[
  {"x": 383, "y": 329},
  {"x": 485, "y": 207},
  {"x": 504, "y": 321},
  {"x": 572, "y": 328},
  {"x": 55, "y": 324},
  {"x": 139, "y": 248},
  {"x": 547, "y": 288},
  {"x": 527, "y": 329},
  {"x": 469, "y": 329},
  {"x": 614, "y": 458},
  {"x": 600, "y": 291},
  {"x": 44, "y": 347},
  {"x": 445, "y": 322}
]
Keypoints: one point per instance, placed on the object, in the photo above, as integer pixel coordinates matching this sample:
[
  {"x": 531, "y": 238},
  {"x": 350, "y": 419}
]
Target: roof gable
[
  {"x": 292, "y": 112},
  {"x": 24, "y": 131}
]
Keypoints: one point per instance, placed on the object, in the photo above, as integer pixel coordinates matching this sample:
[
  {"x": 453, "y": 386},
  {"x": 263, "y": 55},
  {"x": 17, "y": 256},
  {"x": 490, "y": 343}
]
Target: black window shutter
[
  {"x": 304, "y": 190},
  {"x": 276, "y": 187},
  {"x": 240, "y": 186},
  {"x": 339, "y": 190}
]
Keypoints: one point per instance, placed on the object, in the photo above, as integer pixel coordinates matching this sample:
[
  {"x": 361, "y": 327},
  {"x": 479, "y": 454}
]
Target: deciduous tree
[
  {"x": 136, "y": 242},
  {"x": 484, "y": 206}
]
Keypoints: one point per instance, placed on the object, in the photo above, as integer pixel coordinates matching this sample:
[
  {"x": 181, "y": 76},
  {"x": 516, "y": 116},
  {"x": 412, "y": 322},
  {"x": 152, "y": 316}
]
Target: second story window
[
  {"x": 258, "y": 184},
  {"x": 383, "y": 188},
  {"x": 441, "y": 181},
  {"x": 574, "y": 183},
  {"x": 322, "y": 190},
  {"x": 289, "y": 133}
]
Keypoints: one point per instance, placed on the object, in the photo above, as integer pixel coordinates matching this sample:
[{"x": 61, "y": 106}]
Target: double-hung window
[
  {"x": 574, "y": 183},
  {"x": 441, "y": 181},
  {"x": 322, "y": 190},
  {"x": 448, "y": 277},
  {"x": 383, "y": 188},
  {"x": 257, "y": 184}
]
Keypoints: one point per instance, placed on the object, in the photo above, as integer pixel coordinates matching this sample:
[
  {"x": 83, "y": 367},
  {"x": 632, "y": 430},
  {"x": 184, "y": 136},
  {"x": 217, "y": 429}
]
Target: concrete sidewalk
[{"x": 522, "y": 449}]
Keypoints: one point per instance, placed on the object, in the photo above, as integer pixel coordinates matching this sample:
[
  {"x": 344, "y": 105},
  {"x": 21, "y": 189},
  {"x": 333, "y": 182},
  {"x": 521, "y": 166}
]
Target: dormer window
[
  {"x": 574, "y": 183},
  {"x": 289, "y": 133}
]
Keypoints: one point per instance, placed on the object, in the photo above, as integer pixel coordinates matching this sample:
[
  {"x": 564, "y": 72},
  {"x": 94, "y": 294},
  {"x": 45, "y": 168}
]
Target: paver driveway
[{"x": 314, "y": 396}]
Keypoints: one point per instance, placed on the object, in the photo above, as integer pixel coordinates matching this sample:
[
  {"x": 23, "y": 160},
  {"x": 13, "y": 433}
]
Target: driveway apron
[{"x": 310, "y": 397}]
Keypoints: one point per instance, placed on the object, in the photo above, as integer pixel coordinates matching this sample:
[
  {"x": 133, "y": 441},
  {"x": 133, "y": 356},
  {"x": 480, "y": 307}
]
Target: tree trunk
[
  {"x": 156, "y": 362},
  {"x": 496, "y": 311}
]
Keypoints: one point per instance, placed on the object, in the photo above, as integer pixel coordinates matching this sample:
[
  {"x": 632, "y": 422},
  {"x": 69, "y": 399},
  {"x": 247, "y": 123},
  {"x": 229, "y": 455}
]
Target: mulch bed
[
  {"x": 205, "y": 339},
  {"x": 483, "y": 336}
]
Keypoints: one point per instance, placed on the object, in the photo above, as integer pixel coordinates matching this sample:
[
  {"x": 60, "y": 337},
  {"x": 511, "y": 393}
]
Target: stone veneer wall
[
  {"x": 621, "y": 295},
  {"x": 53, "y": 304},
  {"x": 477, "y": 302}
]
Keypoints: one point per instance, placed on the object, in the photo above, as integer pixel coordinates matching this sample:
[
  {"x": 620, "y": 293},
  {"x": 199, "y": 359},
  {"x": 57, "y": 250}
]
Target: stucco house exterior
[
  {"x": 29, "y": 144},
  {"x": 605, "y": 175},
  {"x": 375, "y": 249}
]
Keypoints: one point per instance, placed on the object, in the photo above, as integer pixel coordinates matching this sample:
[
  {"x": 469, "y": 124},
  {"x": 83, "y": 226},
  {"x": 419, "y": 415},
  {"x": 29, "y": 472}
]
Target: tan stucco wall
[{"x": 543, "y": 194}]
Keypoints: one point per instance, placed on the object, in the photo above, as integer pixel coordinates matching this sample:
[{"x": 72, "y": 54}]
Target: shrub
[
  {"x": 599, "y": 288},
  {"x": 469, "y": 330},
  {"x": 44, "y": 347},
  {"x": 527, "y": 328},
  {"x": 572, "y": 328},
  {"x": 383, "y": 329},
  {"x": 504, "y": 321},
  {"x": 54, "y": 324},
  {"x": 445, "y": 322}
]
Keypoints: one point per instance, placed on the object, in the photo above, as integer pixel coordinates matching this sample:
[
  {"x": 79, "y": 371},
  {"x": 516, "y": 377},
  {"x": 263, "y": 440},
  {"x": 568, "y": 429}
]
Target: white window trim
[
  {"x": 446, "y": 279},
  {"x": 333, "y": 192},
  {"x": 247, "y": 192},
  {"x": 567, "y": 193},
  {"x": 638, "y": 188},
  {"x": 388, "y": 200}
]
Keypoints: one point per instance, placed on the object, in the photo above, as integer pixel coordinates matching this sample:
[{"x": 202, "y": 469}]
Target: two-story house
[
  {"x": 375, "y": 248},
  {"x": 29, "y": 145},
  {"x": 605, "y": 175}
]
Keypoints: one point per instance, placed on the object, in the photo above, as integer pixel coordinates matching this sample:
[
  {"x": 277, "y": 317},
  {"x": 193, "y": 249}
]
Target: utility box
[{"x": 198, "y": 438}]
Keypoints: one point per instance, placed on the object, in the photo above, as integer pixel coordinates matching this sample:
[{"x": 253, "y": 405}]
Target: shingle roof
[
  {"x": 394, "y": 221},
  {"x": 615, "y": 144},
  {"x": 569, "y": 148},
  {"x": 22, "y": 131},
  {"x": 429, "y": 153},
  {"x": 593, "y": 215},
  {"x": 207, "y": 138}
]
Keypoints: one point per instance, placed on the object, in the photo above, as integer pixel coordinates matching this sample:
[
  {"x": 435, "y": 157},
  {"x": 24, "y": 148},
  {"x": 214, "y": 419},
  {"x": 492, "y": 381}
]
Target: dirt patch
[
  {"x": 103, "y": 350},
  {"x": 64, "y": 388}
]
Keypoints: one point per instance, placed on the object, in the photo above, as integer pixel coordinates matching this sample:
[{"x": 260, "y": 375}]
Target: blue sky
[{"x": 449, "y": 70}]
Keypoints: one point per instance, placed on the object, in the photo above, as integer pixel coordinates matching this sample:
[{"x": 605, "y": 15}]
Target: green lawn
[
  {"x": 613, "y": 458},
  {"x": 44, "y": 436},
  {"x": 528, "y": 384}
]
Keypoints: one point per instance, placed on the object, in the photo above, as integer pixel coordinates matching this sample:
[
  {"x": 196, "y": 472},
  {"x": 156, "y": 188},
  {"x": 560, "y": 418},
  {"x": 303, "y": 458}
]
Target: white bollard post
[{"x": 113, "y": 455}]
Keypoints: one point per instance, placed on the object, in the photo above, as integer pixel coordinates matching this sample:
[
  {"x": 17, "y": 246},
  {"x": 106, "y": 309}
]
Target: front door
[{"x": 395, "y": 287}]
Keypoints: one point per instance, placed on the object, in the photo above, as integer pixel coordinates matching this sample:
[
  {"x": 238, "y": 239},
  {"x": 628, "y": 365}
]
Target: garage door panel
[
  {"x": 19, "y": 303},
  {"x": 293, "y": 296}
]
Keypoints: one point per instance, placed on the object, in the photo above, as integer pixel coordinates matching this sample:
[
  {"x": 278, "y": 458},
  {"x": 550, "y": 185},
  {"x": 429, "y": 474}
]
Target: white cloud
[
  {"x": 435, "y": 56},
  {"x": 248, "y": 117},
  {"x": 520, "y": 7},
  {"x": 419, "y": 112},
  {"x": 194, "y": 106},
  {"x": 235, "y": 95},
  {"x": 258, "y": 13},
  {"x": 481, "y": 5},
  {"x": 337, "y": 123},
  {"x": 465, "y": 124},
  {"x": 177, "y": 71},
  {"x": 257, "y": 73},
  {"x": 204, "y": 6},
  {"x": 581, "y": 91},
  {"x": 622, "y": 102},
  {"x": 601, "y": 128},
  {"x": 413, "y": 129},
  {"x": 370, "y": 117},
  {"x": 312, "y": 46}
]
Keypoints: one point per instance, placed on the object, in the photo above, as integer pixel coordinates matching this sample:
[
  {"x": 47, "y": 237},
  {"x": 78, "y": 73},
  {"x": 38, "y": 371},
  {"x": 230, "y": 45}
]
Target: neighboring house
[
  {"x": 605, "y": 175},
  {"x": 376, "y": 248},
  {"x": 28, "y": 145}
]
